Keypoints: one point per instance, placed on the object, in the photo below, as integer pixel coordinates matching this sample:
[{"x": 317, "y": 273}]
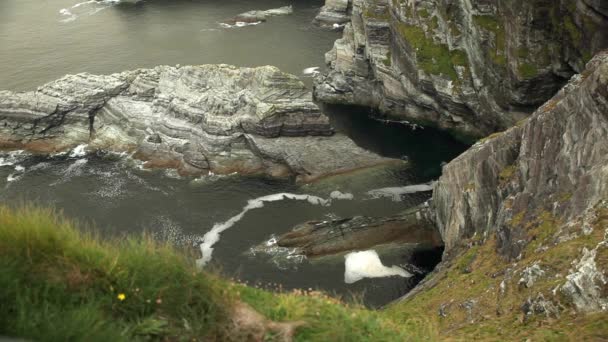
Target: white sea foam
[
  {"x": 341, "y": 195},
  {"x": 213, "y": 236},
  {"x": 282, "y": 257},
  {"x": 84, "y": 3},
  {"x": 79, "y": 151},
  {"x": 89, "y": 7},
  {"x": 312, "y": 71},
  {"x": 13, "y": 177},
  {"x": 367, "y": 264},
  {"x": 395, "y": 193},
  {"x": 240, "y": 24},
  {"x": 74, "y": 169},
  {"x": 12, "y": 158}
]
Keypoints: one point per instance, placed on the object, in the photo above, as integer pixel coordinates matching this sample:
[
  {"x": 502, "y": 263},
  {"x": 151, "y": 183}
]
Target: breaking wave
[{"x": 240, "y": 24}]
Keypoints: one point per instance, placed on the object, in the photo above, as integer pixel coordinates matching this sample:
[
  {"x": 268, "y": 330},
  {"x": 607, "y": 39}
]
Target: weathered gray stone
[
  {"x": 584, "y": 284},
  {"x": 334, "y": 13},
  {"x": 320, "y": 238},
  {"x": 469, "y": 67},
  {"x": 561, "y": 149},
  {"x": 196, "y": 119}
]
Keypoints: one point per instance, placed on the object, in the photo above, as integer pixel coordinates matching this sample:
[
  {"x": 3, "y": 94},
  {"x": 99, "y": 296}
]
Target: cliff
[
  {"x": 470, "y": 67},
  {"x": 524, "y": 217},
  {"x": 555, "y": 162}
]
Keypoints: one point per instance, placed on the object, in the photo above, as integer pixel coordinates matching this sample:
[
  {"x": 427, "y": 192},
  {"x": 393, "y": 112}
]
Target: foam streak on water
[{"x": 213, "y": 236}]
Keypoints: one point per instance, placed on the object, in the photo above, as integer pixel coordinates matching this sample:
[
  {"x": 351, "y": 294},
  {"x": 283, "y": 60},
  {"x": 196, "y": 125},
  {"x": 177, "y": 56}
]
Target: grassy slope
[{"x": 59, "y": 284}]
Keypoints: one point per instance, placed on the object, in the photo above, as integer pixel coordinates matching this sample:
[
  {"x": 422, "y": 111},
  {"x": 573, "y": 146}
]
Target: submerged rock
[
  {"x": 258, "y": 16},
  {"x": 196, "y": 119}
]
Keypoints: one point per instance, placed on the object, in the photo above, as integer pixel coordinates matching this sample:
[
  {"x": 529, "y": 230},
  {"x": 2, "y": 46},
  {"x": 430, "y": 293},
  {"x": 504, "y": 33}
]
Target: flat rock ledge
[{"x": 196, "y": 119}]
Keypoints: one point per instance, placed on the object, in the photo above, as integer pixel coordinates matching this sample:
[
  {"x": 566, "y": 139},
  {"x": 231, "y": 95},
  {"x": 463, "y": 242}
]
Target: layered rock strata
[
  {"x": 334, "y": 13},
  {"x": 470, "y": 67},
  {"x": 321, "y": 238},
  {"x": 552, "y": 167},
  {"x": 197, "y": 119}
]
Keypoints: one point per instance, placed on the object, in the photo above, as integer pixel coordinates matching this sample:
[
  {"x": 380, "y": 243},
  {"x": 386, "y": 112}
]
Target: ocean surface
[{"x": 42, "y": 40}]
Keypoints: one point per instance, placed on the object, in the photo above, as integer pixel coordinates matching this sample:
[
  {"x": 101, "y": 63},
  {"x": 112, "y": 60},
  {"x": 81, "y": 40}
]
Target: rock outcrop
[
  {"x": 524, "y": 218},
  {"x": 321, "y": 238},
  {"x": 197, "y": 119},
  {"x": 257, "y": 16},
  {"x": 552, "y": 168},
  {"x": 469, "y": 67},
  {"x": 334, "y": 13}
]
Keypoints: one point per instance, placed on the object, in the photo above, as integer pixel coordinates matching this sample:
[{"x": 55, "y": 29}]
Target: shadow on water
[{"x": 426, "y": 148}]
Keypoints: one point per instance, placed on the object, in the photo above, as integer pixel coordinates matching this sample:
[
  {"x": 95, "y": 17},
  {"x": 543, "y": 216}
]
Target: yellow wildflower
[{"x": 121, "y": 297}]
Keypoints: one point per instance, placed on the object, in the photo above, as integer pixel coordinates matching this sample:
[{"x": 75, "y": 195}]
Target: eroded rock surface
[
  {"x": 320, "y": 238},
  {"x": 196, "y": 119},
  {"x": 550, "y": 169},
  {"x": 469, "y": 67},
  {"x": 334, "y": 13}
]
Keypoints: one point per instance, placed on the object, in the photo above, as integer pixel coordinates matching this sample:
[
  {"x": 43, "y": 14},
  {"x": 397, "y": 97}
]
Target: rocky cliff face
[
  {"x": 471, "y": 67},
  {"x": 198, "y": 119},
  {"x": 553, "y": 165},
  {"x": 524, "y": 218}
]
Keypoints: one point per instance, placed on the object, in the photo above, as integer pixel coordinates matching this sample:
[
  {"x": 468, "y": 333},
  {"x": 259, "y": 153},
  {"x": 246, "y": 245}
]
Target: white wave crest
[
  {"x": 12, "y": 158},
  {"x": 367, "y": 264},
  {"x": 74, "y": 169},
  {"x": 395, "y": 192},
  {"x": 13, "y": 177},
  {"x": 282, "y": 257},
  {"x": 19, "y": 172},
  {"x": 89, "y": 7},
  {"x": 240, "y": 24},
  {"x": 213, "y": 236},
  {"x": 79, "y": 151},
  {"x": 312, "y": 71}
]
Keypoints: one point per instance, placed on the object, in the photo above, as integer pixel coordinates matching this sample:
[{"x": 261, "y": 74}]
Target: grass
[
  {"x": 58, "y": 283},
  {"x": 490, "y": 23},
  {"x": 527, "y": 70},
  {"x": 433, "y": 58},
  {"x": 507, "y": 174},
  {"x": 497, "y": 316}
]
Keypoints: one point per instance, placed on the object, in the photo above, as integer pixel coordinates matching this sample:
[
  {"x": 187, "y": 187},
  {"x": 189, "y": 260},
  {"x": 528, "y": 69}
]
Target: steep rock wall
[
  {"x": 552, "y": 167},
  {"x": 471, "y": 67}
]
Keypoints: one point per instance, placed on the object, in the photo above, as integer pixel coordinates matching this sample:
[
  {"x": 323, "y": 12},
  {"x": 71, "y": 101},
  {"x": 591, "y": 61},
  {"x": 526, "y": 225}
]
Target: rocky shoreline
[{"x": 196, "y": 119}]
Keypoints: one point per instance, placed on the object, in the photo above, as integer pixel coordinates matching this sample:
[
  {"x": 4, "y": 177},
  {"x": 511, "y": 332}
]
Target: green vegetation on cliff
[
  {"x": 60, "y": 284},
  {"x": 432, "y": 57}
]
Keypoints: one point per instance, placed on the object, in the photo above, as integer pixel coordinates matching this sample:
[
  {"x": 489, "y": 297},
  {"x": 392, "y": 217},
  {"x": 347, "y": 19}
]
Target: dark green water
[{"x": 109, "y": 192}]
